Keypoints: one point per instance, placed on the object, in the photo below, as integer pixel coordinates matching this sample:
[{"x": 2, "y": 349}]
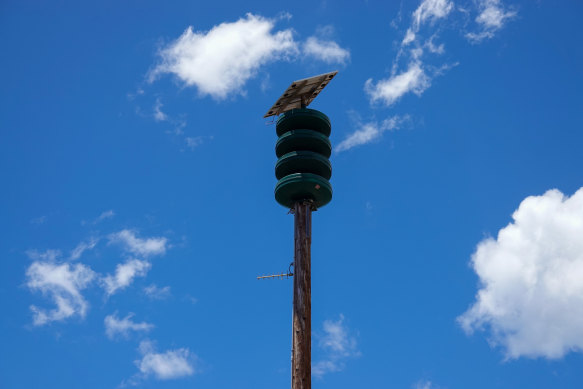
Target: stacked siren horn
[{"x": 303, "y": 149}]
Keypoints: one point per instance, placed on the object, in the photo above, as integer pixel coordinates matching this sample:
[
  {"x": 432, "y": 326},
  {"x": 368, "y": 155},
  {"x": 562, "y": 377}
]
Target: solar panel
[{"x": 300, "y": 93}]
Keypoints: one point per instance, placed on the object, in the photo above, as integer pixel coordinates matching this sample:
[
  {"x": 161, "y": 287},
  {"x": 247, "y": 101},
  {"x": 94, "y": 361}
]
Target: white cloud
[
  {"x": 436, "y": 49},
  {"x": 419, "y": 73},
  {"x": 414, "y": 79},
  {"x": 493, "y": 15},
  {"x": 125, "y": 274},
  {"x": 326, "y": 51},
  {"x": 82, "y": 247},
  {"x": 338, "y": 346},
  {"x": 164, "y": 366},
  {"x": 146, "y": 247},
  {"x": 368, "y": 132},
  {"x": 531, "y": 279},
  {"x": 63, "y": 283},
  {"x": 428, "y": 11},
  {"x": 159, "y": 116},
  {"x": 115, "y": 326},
  {"x": 154, "y": 292},
  {"x": 409, "y": 37},
  {"x": 105, "y": 215},
  {"x": 431, "y": 10},
  {"x": 219, "y": 62}
]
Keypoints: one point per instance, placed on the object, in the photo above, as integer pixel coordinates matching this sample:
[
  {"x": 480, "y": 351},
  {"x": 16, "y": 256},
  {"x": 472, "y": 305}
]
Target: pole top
[{"x": 300, "y": 93}]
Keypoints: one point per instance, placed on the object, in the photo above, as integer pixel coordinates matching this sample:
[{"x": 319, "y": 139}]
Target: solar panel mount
[{"x": 300, "y": 93}]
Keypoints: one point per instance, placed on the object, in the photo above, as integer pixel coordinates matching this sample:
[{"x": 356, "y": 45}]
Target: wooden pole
[{"x": 302, "y": 322}]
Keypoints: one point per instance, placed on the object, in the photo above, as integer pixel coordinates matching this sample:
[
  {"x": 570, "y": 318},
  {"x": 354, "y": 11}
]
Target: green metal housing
[
  {"x": 308, "y": 140},
  {"x": 303, "y": 186},
  {"x": 303, "y": 162},
  {"x": 303, "y": 149},
  {"x": 303, "y": 118}
]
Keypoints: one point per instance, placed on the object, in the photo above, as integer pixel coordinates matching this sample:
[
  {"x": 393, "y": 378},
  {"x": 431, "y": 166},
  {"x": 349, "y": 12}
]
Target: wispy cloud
[
  {"x": 338, "y": 346},
  {"x": 389, "y": 90},
  {"x": 167, "y": 365},
  {"x": 62, "y": 283},
  {"x": 369, "y": 132},
  {"x": 531, "y": 295},
  {"x": 492, "y": 17},
  {"x": 178, "y": 129},
  {"x": 115, "y": 326},
  {"x": 133, "y": 244},
  {"x": 155, "y": 292},
  {"x": 178, "y": 124},
  {"x": 78, "y": 251},
  {"x": 159, "y": 116},
  {"x": 417, "y": 76},
  {"x": 193, "y": 141},
  {"x": 125, "y": 274},
  {"x": 103, "y": 216},
  {"x": 428, "y": 11},
  {"x": 325, "y": 50},
  {"x": 413, "y": 69},
  {"x": 132, "y": 95}
]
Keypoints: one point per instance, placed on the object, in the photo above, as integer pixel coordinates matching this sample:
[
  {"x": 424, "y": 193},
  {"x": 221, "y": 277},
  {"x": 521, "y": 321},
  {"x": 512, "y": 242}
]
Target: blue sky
[{"x": 137, "y": 203}]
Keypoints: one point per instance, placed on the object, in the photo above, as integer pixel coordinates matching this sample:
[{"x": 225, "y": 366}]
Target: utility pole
[
  {"x": 303, "y": 171},
  {"x": 302, "y": 305}
]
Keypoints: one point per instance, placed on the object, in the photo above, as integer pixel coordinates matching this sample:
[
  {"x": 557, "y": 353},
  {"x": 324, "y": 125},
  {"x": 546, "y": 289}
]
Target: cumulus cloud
[
  {"x": 63, "y": 283},
  {"x": 530, "y": 298},
  {"x": 135, "y": 245},
  {"x": 167, "y": 365},
  {"x": 338, "y": 345},
  {"x": 82, "y": 247},
  {"x": 125, "y": 274},
  {"x": 219, "y": 62},
  {"x": 325, "y": 50},
  {"x": 154, "y": 292},
  {"x": 492, "y": 17},
  {"x": 414, "y": 79},
  {"x": 369, "y": 132},
  {"x": 122, "y": 327}
]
